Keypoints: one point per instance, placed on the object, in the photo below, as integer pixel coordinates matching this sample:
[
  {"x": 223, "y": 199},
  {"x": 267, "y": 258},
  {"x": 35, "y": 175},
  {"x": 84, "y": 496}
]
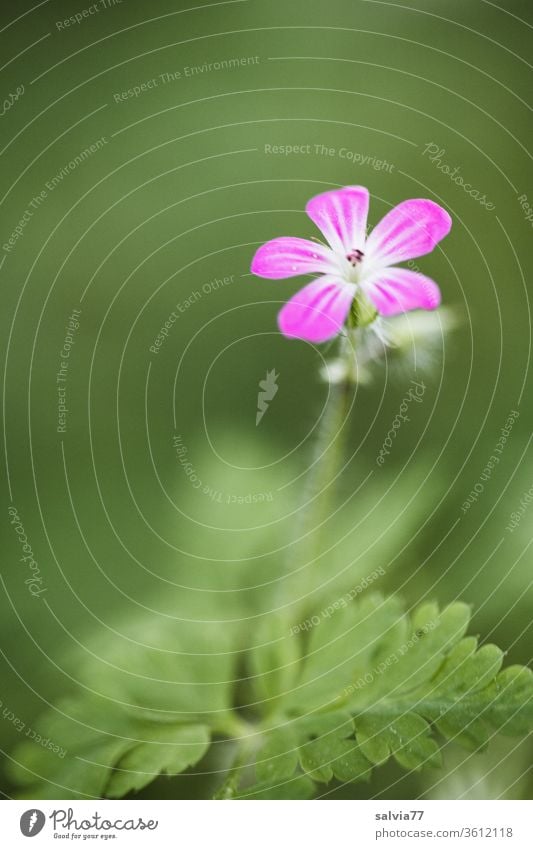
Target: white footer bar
[{"x": 268, "y": 825}]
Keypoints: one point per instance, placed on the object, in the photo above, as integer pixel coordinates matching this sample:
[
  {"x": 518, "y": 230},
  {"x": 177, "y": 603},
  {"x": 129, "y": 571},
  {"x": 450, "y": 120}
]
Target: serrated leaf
[
  {"x": 331, "y": 756},
  {"x": 419, "y": 752},
  {"x": 473, "y": 673},
  {"x": 339, "y": 647},
  {"x": 411, "y": 677},
  {"x": 509, "y": 700},
  {"x": 175, "y": 682},
  {"x": 89, "y": 771},
  {"x": 315, "y": 758},
  {"x": 458, "y": 656},
  {"x": 278, "y": 758},
  {"x": 334, "y": 723},
  {"x": 374, "y": 744},
  {"x": 170, "y": 751},
  {"x": 348, "y": 761},
  {"x": 375, "y": 683},
  {"x": 470, "y": 732},
  {"x": 320, "y": 736},
  {"x": 406, "y": 737}
]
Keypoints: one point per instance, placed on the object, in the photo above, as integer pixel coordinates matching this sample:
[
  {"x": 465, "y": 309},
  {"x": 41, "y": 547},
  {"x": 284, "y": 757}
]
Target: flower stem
[{"x": 320, "y": 483}]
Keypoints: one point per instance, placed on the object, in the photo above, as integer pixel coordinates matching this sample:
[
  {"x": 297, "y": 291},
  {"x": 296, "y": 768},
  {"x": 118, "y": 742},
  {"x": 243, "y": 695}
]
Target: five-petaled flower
[{"x": 353, "y": 266}]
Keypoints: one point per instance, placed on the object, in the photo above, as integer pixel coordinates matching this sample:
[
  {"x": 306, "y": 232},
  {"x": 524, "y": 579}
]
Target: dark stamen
[{"x": 354, "y": 257}]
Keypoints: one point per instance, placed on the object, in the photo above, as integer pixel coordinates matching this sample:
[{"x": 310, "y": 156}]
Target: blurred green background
[{"x": 164, "y": 215}]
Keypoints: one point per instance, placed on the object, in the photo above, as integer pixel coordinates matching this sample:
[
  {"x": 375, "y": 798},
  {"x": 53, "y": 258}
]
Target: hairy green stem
[
  {"x": 318, "y": 497},
  {"x": 321, "y": 483}
]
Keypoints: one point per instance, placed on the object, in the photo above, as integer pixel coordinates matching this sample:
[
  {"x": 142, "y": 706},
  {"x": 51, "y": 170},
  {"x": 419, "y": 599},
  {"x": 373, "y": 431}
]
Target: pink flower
[{"x": 353, "y": 264}]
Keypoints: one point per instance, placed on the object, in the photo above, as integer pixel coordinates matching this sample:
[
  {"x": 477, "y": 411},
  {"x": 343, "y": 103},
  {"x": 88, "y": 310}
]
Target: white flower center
[{"x": 353, "y": 266}]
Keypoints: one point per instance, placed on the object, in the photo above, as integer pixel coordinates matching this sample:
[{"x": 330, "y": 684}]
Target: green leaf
[
  {"x": 340, "y": 649},
  {"x": 273, "y": 663},
  {"x": 176, "y": 682},
  {"x": 405, "y": 737},
  {"x": 315, "y": 758},
  {"x": 322, "y": 744},
  {"x": 334, "y": 723},
  {"x": 371, "y": 683},
  {"x": 171, "y": 751},
  {"x": 341, "y": 758},
  {"x": 467, "y": 730},
  {"x": 469, "y": 674},
  {"x": 509, "y": 701},
  {"x": 278, "y": 758},
  {"x": 88, "y": 770},
  {"x": 400, "y": 681}
]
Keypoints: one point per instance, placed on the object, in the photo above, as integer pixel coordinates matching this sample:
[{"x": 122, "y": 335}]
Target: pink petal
[
  {"x": 411, "y": 229},
  {"x": 396, "y": 290},
  {"x": 287, "y": 257},
  {"x": 318, "y": 311},
  {"x": 341, "y": 216}
]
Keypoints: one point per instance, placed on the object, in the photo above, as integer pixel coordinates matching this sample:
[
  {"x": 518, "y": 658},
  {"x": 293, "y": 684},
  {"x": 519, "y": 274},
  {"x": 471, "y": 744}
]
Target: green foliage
[
  {"x": 171, "y": 752},
  {"x": 278, "y": 758},
  {"x": 367, "y": 684},
  {"x": 273, "y": 662},
  {"x": 383, "y": 684},
  {"x": 153, "y": 713}
]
